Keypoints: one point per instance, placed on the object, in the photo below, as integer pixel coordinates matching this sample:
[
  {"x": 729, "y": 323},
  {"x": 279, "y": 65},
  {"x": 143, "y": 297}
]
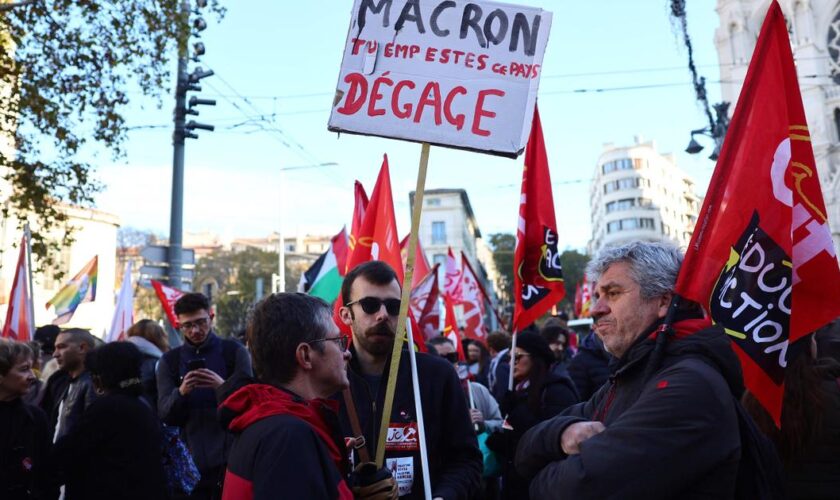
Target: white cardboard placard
[{"x": 447, "y": 72}]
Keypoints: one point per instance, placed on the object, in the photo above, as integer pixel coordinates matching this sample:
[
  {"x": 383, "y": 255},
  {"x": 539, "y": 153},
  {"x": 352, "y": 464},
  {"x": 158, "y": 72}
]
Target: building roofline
[{"x": 464, "y": 199}]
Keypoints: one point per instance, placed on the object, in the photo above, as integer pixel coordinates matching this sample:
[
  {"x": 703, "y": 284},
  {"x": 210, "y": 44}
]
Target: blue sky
[{"x": 276, "y": 65}]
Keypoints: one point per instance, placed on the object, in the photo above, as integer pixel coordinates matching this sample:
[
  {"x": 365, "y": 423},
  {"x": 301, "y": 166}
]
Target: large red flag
[
  {"x": 359, "y": 207},
  {"x": 578, "y": 300},
  {"x": 18, "y": 325},
  {"x": 761, "y": 257},
  {"x": 168, "y": 296},
  {"x": 424, "y": 304},
  {"x": 377, "y": 235},
  {"x": 537, "y": 275},
  {"x": 421, "y": 263}
]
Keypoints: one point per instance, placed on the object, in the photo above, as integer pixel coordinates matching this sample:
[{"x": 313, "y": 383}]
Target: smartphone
[{"x": 195, "y": 364}]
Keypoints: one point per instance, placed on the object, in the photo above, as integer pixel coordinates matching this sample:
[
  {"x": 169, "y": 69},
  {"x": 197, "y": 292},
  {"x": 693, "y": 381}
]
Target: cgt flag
[
  {"x": 360, "y": 203},
  {"x": 761, "y": 258},
  {"x": 537, "y": 274}
]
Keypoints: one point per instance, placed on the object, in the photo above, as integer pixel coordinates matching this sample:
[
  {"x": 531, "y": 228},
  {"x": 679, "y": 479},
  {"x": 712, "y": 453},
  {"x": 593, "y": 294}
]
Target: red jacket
[{"x": 284, "y": 446}]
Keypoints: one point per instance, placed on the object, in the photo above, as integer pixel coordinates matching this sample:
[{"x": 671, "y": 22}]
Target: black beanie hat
[{"x": 535, "y": 345}]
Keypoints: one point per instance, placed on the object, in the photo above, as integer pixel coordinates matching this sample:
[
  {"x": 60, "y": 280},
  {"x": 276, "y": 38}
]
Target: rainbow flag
[{"x": 82, "y": 288}]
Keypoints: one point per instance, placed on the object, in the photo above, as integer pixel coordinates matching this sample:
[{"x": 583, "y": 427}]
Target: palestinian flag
[{"x": 324, "y": 278}]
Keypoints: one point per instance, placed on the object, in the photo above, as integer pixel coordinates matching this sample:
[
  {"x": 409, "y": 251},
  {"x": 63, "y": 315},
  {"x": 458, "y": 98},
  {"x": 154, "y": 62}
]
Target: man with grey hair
[{"x": 665, "y": 425}]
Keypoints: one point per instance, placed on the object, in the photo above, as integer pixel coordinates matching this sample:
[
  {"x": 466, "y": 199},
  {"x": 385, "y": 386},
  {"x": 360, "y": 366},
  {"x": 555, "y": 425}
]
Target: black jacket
[
  {"x": 24, "y": 447},
  {"x": 673, "y": 435},
  {"x": 589, "y": 368},
  {"x": 281, "y": 447},
  {"x": 455, "y": 461},
  {"x": 815, "y": 475},
  {"x": 114, "y": 451},
  {"x": 558, "y": 393},
  {"x": 77, "y": 395}
]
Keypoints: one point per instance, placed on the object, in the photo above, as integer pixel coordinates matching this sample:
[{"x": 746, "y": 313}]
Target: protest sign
[{"x": 451, "y": 73}]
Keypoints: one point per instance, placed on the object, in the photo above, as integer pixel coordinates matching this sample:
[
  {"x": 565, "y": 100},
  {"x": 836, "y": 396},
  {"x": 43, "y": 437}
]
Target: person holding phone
[{"x": 187, "y": 378}]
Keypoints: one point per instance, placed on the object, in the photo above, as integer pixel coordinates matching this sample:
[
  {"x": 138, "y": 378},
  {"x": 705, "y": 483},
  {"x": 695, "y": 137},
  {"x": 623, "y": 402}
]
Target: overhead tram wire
[{"x": 283, "y": 137}]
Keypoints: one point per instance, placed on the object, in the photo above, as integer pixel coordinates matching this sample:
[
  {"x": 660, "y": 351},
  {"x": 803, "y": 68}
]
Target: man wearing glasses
[
  {"x": 187, "y": 377},
  {"x": 288, "y": 440},
  {"x": 371, "y": 297}
]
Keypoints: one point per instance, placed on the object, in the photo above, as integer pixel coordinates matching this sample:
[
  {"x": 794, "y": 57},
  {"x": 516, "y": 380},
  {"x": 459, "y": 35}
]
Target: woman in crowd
[
  {"x": 809, "y": 439},
  {"x": 114, "y": 451},
  {"x": 24, "y": 438},
  {"x": 538, "y": 395},
  {"x": 479, "y": 362},
  {"x": 151, "y": 340}
]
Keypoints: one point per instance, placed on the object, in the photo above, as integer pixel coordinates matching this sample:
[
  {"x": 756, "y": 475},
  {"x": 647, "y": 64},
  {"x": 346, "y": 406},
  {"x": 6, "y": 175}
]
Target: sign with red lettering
[{"x": 447, "y": 72}]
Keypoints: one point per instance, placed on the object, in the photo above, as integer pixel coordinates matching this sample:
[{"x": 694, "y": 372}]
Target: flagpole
[
  {"x": 421, "y": 426},
  {"x": 512, "y": 361},
  {"x": 401, "y": 320},
  {"x": 31, "y": 313}
]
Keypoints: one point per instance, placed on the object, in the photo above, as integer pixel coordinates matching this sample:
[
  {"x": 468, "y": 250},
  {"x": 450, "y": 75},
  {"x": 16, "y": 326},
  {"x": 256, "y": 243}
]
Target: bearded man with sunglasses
[
  {"x": 187, "y": 378},
  {"x": 370, "y": 295}
]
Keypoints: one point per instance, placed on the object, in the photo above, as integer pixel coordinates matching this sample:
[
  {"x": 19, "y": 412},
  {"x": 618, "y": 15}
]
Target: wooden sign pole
[{"x": 404, "y": 303}]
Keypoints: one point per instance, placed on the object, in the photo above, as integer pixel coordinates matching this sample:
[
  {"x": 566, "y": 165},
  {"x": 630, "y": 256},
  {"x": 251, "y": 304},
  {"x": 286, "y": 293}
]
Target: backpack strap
[{"x": 359, "y": 445}]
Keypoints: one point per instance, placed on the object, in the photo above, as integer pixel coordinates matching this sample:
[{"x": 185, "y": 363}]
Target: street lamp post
[{"x": 716, "y": 131}]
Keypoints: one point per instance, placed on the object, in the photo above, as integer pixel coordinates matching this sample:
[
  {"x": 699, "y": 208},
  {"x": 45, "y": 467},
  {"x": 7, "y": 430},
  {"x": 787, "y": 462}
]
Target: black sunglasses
[{"x": 371, "y": 305}]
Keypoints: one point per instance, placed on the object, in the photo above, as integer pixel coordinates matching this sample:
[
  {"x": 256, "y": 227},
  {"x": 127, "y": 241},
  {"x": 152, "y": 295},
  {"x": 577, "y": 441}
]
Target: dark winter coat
[
  {"x": 558, "y": 393},
  {"x": 589, "y": 368},
  {"x": 77, "y": 394},
  {"x": 114, "y": 451},
  {"x": 24, "y": 448},
  {"x": 455, "y": 461},
  {"x": 284, "y": 447},
  {"x": 815, "y": 475},
  {"x": 151, "y": 356},
  {"x": 671, "y": 435},
  {"x": 498, "y": 380},
  {"x": 195, "y": 413}
]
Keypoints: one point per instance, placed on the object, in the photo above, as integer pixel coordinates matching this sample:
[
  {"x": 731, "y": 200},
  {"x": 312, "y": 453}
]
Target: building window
[
  {"x": 646, "y": 223},
  {"x": 639, "y": 163},
  {"x": 438, "y": 232},
  {"x": 622, "y": 164},
  {"x": 432, "y": 202},
  {"x": 613, "y": 226}
]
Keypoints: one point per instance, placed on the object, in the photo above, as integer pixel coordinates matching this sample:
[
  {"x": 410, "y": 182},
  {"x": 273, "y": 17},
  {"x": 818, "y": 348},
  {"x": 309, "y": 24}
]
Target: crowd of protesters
[{"x": 295, "y": 408}]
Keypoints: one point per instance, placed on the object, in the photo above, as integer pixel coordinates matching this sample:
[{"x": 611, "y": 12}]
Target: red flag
[
  {"x": 538, "y": 276},
  {"x": 340, "y": 249},
  {"x": 578, "y": 300},
  {"x": 359, "y": 207},
  {"x": 761, "y": 258},
  {"x": 168, "y": 296},
  {"x": 451, "y": 330},
  {"x": 421, "y": 263},
  {"x": 585, "y": 298},
  {"x": 377, "y": 236},
  {"x": 415, "y": 332},
  {"x": 472, "y": 299},
  {"x": 453, "y": 286},
  {"x": 424, "y": 304},
  {"x": 18, "y": 325}
]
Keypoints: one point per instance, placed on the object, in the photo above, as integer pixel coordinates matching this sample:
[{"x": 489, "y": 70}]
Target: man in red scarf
[{"x": 288, "y": 440}]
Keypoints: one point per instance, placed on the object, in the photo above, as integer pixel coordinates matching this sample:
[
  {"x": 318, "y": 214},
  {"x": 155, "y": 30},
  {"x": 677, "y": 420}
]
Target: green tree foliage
[
  {"x": 235, "y": 275},
  {"x": 574, "y": 267},
  {"x": 67, "y": 69},
  {"x": 503, "y": 245}
]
